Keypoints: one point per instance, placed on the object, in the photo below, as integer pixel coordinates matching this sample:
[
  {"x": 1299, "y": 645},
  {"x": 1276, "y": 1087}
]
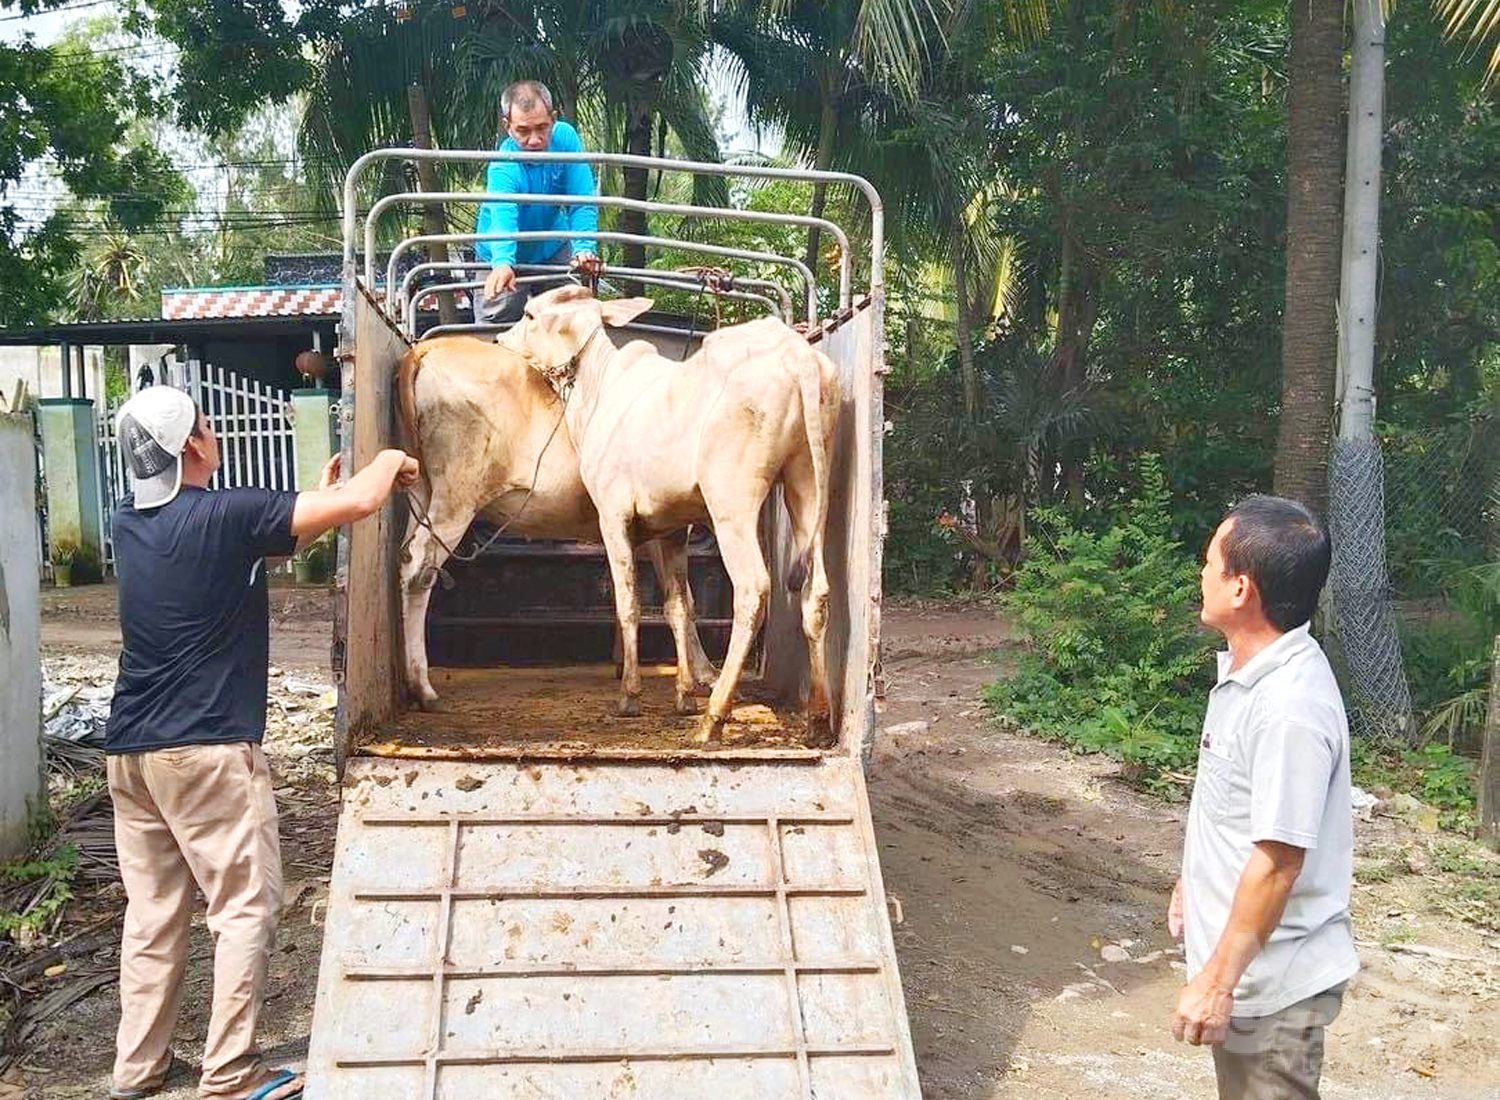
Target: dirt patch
[
  {"x": 85, "y": 620},
  {"x": 1032, "y": 883},
  {"x": 574, "y": 709}
]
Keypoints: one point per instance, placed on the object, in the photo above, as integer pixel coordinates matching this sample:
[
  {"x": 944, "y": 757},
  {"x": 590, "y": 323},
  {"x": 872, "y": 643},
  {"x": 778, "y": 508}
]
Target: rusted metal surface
[{"x": 628, "y": 931}]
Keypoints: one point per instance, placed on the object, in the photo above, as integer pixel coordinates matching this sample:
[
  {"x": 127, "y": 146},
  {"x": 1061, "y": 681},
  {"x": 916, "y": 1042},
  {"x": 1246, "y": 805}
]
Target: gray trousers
[
  {"x": 1277, "y": 1057},
  {"x": 506, "y": 307}
]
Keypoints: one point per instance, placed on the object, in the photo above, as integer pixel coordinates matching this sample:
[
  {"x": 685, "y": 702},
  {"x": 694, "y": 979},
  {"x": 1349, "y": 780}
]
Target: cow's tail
[
  {"x": 406, "y": 392},
  {"x": 809, "y": 370}
]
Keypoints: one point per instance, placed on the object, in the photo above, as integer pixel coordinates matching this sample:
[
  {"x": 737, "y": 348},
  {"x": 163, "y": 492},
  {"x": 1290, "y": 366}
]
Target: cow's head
[{"x": 558, "y": 324}]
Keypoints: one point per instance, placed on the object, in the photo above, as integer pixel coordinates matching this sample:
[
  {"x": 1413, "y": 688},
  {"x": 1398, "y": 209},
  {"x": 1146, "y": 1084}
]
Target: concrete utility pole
[{"x": 1361, "y": 258}]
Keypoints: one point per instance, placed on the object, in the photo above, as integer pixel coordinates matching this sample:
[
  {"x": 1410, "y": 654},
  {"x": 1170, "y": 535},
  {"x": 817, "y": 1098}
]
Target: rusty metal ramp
[{"x": 608, "y": 930}]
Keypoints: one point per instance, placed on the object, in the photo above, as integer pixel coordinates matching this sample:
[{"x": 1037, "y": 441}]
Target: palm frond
[{"x": 1479, "y": 20}]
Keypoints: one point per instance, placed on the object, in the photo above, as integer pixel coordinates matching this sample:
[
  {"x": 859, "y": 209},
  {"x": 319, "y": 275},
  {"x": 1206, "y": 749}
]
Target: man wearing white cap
[{"x": 192, "y": 794}]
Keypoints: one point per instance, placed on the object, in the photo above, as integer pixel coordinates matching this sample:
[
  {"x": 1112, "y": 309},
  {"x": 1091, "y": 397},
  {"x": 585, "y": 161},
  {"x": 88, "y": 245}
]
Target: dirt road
[{"x": 1018, "y": 868}]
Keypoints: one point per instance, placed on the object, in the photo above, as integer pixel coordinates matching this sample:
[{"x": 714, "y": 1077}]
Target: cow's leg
[
  {"x": 702, "y": 668},
  {"x": 739, "y": 546},
  {"x": 419, "y": 570},
  {"x": 669, "y": 557},
  {"x": 621, "y": 554},
  {"x": 800, "y": 490}
]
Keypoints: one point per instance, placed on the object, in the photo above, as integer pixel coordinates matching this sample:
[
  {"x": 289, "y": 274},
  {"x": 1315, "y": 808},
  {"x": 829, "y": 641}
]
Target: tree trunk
[
  {"x": 636, "y": 181},
  {"x": 1487, "y": 783},
  {"x": 968, "y": 374},
  {"x": 434, "y": 221},
  {"x": 1357, "y": 302},
  {"x": 827, "y": 132},
  {"x": 1077, "y": 312},
  {"x": 1309, "y": 337}
]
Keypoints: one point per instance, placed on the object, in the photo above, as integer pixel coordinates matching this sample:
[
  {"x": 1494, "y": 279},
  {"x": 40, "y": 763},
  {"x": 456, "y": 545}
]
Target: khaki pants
[
  {"x": 1277, "y": 1057},
  {"x": 204, "y": 815}
]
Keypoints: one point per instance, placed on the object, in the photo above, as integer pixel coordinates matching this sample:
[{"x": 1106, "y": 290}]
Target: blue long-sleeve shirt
[{"x": 538, "y": 178}]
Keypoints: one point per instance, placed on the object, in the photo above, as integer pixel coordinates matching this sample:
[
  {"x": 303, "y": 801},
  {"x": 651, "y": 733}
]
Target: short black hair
[
  {"x": 1284, "y": 548},
  {"x": 524, "y": 94}
]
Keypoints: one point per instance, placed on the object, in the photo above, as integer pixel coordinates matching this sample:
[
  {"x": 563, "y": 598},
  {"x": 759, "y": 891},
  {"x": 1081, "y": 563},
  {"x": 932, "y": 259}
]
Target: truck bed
[{"x": 569, "y": 712}]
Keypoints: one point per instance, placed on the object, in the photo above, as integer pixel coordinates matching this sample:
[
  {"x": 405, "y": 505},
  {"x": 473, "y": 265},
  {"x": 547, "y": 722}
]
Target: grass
[{"x": 1393, "y": 934}]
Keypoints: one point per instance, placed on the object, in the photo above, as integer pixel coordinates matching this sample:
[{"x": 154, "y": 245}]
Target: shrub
[{"x": 1118, "y": 662}]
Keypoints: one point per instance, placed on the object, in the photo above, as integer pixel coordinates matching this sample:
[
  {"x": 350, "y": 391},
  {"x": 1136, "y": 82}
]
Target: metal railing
[
  {"x": 373, "y": 216},
  {"x": 359, "y": 228},
  {"x": 676, "y": 280}
]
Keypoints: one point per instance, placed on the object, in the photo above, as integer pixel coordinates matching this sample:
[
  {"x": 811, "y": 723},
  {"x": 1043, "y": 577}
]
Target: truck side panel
[{"x": 366, "y": 598}]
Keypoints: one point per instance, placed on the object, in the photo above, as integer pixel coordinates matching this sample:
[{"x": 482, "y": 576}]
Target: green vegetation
[{"x": 1116, "y": 660}]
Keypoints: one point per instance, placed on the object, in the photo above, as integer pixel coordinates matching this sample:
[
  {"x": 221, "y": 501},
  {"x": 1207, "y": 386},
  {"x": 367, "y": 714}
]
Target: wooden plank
[
  {"x": 1488, "y": 782},
  {"x": 609, "y": 970},
  {"x": 368, "y": 575},
  {"x": 556, "y": 753},
  {"x": 571, "y": 1057}
]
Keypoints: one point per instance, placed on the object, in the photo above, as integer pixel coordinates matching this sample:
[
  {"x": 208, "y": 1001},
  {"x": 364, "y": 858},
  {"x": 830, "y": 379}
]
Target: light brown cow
[
  {"x": 663, "y": 444},
  {"x": 486, "y": 427}
]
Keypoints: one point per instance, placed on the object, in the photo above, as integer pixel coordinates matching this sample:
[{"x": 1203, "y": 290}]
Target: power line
[{"x": 54, "y": 11}]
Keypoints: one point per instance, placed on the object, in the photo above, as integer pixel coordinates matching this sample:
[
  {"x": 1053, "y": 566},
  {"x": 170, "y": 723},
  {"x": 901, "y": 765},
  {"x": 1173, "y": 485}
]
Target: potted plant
[
  {"x": 87, "y": 568},
  {"x": 302, "y": 566},
  {"x": 320, "y": 557},
  {"x": 310, "y": 565},
  {"x": 64, "y": 553}
]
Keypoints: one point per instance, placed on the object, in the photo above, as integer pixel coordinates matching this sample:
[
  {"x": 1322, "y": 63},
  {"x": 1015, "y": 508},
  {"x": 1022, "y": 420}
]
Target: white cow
[
  {"x": 486, "y": 427},
  {"x": 663, "y": 444}
]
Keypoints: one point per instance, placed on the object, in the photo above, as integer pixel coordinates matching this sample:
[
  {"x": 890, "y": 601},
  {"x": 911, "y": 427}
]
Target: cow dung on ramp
[{"x": 572, "y": 708}]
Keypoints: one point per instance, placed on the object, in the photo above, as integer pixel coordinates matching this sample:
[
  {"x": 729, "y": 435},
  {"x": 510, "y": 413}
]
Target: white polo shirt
[{"x": 1274, "y": 765}]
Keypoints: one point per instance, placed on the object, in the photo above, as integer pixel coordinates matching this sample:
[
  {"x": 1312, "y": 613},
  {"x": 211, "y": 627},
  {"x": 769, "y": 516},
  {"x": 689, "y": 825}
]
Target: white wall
[
  {"x": 20, "y": 637},
  {"x": 40, "y": 368}
]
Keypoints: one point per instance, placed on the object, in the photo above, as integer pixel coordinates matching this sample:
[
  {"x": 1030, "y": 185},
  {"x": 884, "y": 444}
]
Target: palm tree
[
  {"x": 627, "y": 71},
  {"x": 1481, "y": 18},
  {"x": 826, "y": 73},
  {"x": 1314, "y": 172},
  {"x": 631, "y": 70}
]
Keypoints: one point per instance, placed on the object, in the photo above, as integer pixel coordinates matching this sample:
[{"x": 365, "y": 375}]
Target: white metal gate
[{"x": 256, "y": 441}]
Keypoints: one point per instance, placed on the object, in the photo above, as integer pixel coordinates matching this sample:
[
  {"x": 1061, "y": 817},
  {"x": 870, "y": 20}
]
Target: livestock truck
[{"x": 532, "y": 897}]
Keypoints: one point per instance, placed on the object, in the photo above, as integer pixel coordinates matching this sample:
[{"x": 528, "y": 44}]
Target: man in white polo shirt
[{"x": 1267, "y": 866}]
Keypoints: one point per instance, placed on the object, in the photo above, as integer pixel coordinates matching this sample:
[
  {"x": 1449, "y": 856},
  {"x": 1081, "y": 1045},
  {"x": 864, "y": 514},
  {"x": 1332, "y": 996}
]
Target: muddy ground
[{"x": 1016, "y": 865}]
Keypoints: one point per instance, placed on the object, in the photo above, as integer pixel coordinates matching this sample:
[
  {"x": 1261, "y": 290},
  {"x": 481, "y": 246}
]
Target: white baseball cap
[{"x": 153, "y": 427}]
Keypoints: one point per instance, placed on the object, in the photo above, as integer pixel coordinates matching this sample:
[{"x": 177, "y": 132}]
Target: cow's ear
[{"x": 621, "y": 311}]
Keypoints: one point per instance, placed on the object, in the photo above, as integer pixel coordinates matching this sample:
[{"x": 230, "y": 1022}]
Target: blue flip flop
[{"x": 279, "y": 1081}]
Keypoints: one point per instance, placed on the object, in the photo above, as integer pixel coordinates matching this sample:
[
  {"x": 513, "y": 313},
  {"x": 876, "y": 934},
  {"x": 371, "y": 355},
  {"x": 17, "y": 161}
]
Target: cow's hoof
[
  {"x": 820, "y": 733},
  {"x": 630, "y": 707},
  {"x": 433, "y": 705},
  {"x": 685, "y": 703},
  {"x": 708, "y": 729}
]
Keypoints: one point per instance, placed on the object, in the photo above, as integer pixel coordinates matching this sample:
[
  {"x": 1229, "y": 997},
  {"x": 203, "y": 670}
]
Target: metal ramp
[{"x": 608, "y": 930}]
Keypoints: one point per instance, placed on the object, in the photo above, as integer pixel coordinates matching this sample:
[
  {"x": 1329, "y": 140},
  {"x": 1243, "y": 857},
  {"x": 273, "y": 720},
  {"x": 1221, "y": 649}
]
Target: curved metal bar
[
  {"x": 642, "y": 274},
  {"x": 846, "y": 263},
  {"x": 452, "y": 330},
  {"x": 742, "y": 171},
  {"x": 409, "y": 316},
  {"x": 561, "y": 235}
]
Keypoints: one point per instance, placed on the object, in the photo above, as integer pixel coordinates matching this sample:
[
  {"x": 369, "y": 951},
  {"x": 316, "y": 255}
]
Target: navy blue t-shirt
[{"x": 194, "y": 617}]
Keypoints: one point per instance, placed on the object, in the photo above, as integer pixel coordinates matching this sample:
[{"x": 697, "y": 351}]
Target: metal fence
[
  {"x": 1406, "y": 510},
  {"x": 256, "y": 441}
]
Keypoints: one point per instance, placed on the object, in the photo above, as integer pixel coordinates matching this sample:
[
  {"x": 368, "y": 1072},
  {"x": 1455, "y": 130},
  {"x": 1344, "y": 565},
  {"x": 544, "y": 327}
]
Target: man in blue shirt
[{"x": 533, "y": 126}]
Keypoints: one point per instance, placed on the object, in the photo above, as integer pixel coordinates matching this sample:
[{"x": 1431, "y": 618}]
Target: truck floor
[{"x": 571, "y": 710}]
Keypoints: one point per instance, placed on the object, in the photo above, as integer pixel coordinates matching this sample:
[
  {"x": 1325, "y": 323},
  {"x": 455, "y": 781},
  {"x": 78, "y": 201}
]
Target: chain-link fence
[{"x": 1407, "y": 510}]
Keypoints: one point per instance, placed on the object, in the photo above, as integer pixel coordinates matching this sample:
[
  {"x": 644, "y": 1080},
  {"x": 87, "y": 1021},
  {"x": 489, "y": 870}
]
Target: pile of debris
[{"x": 73, "y": 875}]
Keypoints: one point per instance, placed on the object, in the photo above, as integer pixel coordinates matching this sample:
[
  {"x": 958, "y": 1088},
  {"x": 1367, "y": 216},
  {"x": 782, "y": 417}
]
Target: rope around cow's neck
[{"x": 425, "y": 520}]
